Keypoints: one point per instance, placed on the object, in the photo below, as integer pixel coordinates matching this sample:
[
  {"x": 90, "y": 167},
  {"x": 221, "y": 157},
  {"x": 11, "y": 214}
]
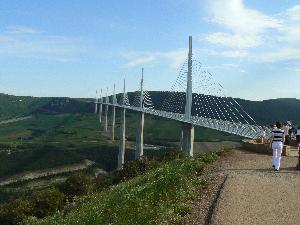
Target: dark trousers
[{"x": 298, "y": 139}]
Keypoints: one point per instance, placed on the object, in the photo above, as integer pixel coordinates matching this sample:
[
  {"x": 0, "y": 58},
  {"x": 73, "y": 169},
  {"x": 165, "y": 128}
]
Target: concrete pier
[
  {"x": 113, "y": 120},
  {"x": 96, "y": 103},
  {"x": 140, "y": 124},
  {"x": 140, "y": 136},
  {"x": 100, "y": 107},
  {"x": 122, "y": 144},
  {"x": 106, "y": 112},
  {"x": 105, "y": 118},
  {"x": 187, "y": 140},
  {"x": 100, "y": 112},
  {"x": 187, "y": 128}
]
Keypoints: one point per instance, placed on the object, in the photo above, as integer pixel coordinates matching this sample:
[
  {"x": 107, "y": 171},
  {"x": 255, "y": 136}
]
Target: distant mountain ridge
[
  {"x": 263, "y": 112},
  {"x": 17, "y": 106},
  {"x": 269, "y": 111}
]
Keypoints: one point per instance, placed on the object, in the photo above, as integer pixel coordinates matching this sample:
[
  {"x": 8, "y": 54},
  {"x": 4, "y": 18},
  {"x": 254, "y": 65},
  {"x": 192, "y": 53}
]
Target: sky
[{"x": 72, "y": 47}]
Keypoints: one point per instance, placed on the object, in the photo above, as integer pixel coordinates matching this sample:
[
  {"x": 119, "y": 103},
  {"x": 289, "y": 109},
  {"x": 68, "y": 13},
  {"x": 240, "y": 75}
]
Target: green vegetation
[{"x": 157, "y": 196}]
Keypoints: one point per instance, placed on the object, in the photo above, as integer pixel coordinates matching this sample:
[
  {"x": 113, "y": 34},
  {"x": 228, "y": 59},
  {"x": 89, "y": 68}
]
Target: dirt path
[
  {"x": 15, "y": 120},
  {"x": 46, "y": 172},
  {"x": 245, "y": 190}
]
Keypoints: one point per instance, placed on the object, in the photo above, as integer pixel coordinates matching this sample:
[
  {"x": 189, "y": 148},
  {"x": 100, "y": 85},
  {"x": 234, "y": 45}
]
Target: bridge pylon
[
  {"x": 113, "y": 121},
  {"x": 96, "y": 102},
  {"x": 187, "y": 130},
  {"x": 100, "y": 106},
  {"x": 106, "y": 112},
  {"x": 122, "y": 144},
  {"x": 140, "y": 124}
]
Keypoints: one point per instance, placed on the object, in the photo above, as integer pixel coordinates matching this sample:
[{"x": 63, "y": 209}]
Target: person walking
[{"x": 277, "y": 145}]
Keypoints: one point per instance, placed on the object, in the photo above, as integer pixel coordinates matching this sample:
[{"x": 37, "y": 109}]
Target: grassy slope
[{"x": 156, "y": 197}]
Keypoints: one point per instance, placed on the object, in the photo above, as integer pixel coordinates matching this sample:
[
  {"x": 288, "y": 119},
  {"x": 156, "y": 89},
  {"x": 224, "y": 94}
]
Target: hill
[
  {"x": 17, "y": 106},
  {"x": 269, "y": 111}
]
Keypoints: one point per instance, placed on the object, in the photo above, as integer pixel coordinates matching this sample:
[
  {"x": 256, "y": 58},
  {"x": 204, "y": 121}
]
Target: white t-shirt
[
  {"x": 286, "y": 130},
  {"x": 298, "y": 132}
]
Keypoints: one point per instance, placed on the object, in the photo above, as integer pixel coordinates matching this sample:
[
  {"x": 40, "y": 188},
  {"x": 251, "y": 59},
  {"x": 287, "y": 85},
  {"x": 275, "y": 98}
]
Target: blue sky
[{"x": 73, "y": 47}]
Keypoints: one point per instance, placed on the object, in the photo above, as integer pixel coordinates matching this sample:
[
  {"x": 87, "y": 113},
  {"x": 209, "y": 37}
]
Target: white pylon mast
[
  {"x": 96, "y": 102},
  {"x": 142, "y": 94},
  {"x": 101, "y": 100},
  {"x": 114, "y": 94},
  {"x": 189, "y": 90}
]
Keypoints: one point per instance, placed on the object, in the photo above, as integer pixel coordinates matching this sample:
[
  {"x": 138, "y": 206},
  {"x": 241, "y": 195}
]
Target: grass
[{"x": 157, "y": 197}]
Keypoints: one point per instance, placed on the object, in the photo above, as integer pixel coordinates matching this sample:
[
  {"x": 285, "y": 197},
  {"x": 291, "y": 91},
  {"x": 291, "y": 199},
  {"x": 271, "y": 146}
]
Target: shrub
[
  {"x": 173, "y": 154},
  {"x": 47, "y": 202},
  {"x": 102, "y": 182},
  {"x": 77, "y": 184},
  {"x": 131, "y": 169},
  {"x": 14, "y": 212}
]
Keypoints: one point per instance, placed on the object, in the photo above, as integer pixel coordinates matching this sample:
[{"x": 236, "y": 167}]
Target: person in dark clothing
[{"x": 298, "y": 135}]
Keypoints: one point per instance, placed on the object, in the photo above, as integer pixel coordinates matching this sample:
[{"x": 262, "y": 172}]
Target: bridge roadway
[{"x": 243, "y": 130}]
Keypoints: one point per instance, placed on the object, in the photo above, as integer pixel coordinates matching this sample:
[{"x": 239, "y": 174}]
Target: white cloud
[
  {"x": 30, "y": 43},
  {"x": 244, "y": 26},
  {"x": 21, "y": 30},
  {"x": 267, "y": 38},
  {"x": 297, "y": 70},
  {"x": 230, "y": 54},
  {"x": 235, "y": 16},
  {"x": 294, "y": 13},
  {"x": 174, "y": 58},
  {"x": 139, "y": 61},
  {"x": 234, "y": 40}
]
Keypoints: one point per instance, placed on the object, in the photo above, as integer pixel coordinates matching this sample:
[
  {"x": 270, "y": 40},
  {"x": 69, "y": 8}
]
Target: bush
[
  {"x": 77, "y": 184},
  {"x": 47, "y": 202},
  {"x": 102, "y": 182},
  {"x": 14, "y": 212},
  {"x": 173, "y": 154},
  {"x": 132, "y": 169}
]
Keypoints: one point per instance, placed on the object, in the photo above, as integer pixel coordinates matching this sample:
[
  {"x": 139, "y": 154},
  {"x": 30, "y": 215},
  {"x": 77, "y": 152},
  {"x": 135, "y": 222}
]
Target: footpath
[{"x": 245, "y": 190}]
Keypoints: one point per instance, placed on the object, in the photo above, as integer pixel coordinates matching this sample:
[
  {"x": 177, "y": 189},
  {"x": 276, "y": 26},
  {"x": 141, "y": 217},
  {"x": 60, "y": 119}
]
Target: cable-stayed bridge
[{"x": 195, "y": 99}]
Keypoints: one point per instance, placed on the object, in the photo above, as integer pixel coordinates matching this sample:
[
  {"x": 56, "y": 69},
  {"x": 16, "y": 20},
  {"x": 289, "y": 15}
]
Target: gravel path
[{"x": 245, "y": 190}]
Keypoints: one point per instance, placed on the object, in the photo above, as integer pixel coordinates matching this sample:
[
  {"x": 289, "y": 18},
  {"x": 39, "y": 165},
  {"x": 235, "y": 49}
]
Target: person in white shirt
[
  {"x": 286, "y": 129},
  {"x": 298, "y": 135},
  {"x": 277, "y": 145}
]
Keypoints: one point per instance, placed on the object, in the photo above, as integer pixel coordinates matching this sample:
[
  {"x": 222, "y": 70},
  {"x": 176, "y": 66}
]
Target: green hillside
[
  {"x": 159, "y": 196},
  {"x": 18, "y": 106}
]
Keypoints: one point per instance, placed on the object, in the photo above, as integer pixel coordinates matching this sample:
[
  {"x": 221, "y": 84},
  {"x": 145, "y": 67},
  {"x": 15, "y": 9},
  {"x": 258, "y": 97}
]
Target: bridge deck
[{"x": 244, "y": 130}]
